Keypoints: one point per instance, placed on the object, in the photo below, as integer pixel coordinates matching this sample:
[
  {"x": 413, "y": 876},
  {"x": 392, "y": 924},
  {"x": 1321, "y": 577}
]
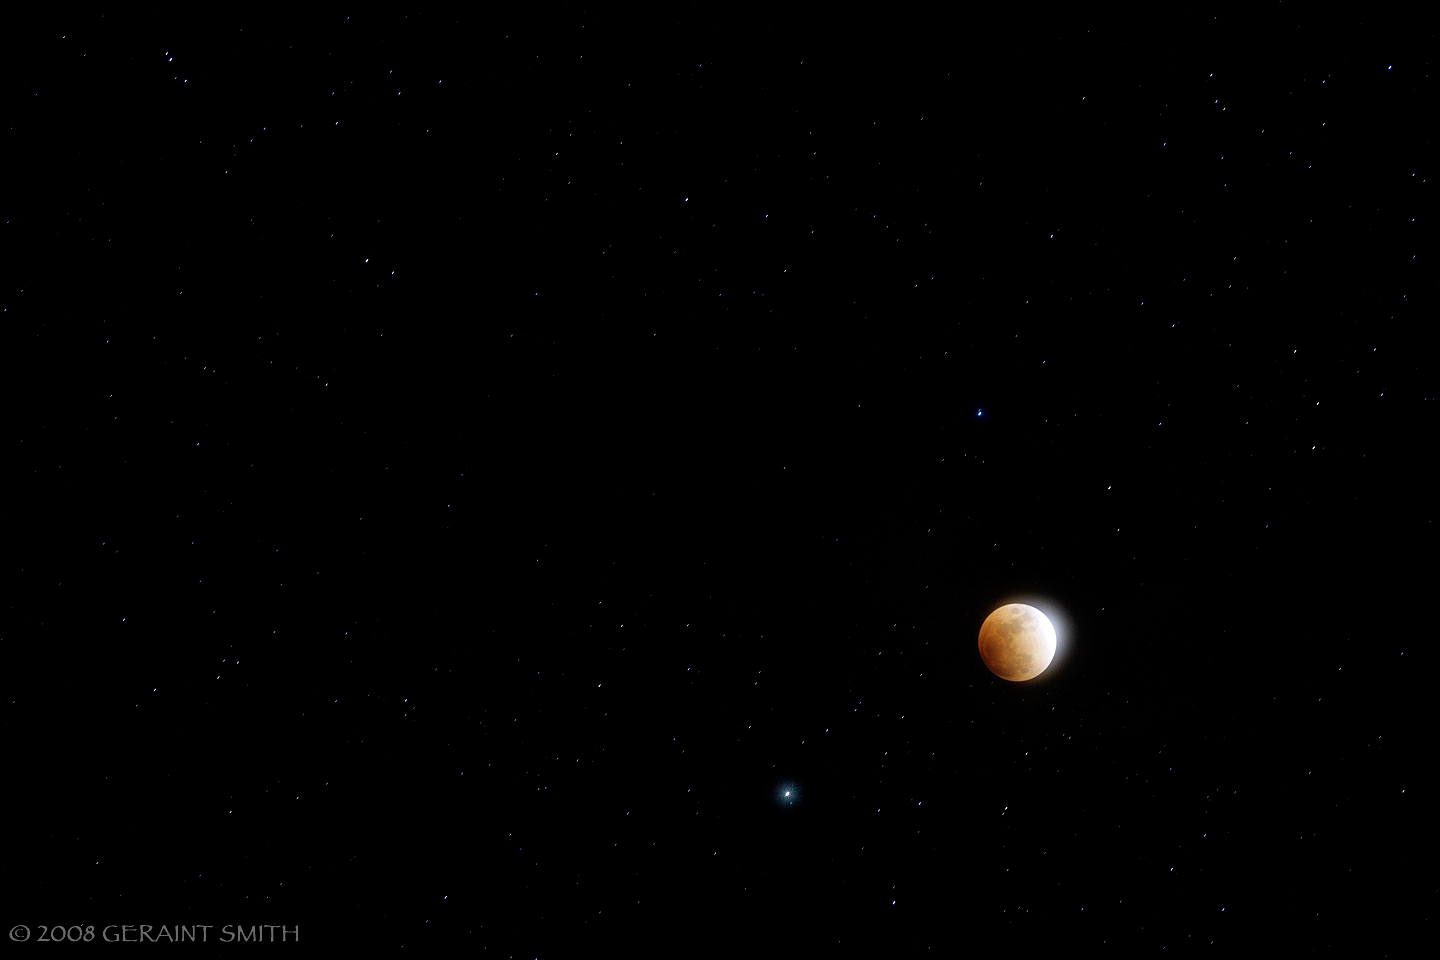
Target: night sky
[{"x": 514, "y": 486}]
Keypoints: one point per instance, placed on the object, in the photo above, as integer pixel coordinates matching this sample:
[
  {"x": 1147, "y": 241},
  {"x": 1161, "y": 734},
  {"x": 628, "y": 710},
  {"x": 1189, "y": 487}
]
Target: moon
[{"x": 1017, "y": 642}]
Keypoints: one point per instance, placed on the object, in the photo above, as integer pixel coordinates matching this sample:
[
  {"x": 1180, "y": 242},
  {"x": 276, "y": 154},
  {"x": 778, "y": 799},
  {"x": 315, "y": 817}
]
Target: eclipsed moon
[{"x": 1017, "y": 642}]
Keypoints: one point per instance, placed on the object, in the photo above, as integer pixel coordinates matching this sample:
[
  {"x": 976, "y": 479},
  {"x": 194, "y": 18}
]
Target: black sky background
[{"x": 462, "y": 470}]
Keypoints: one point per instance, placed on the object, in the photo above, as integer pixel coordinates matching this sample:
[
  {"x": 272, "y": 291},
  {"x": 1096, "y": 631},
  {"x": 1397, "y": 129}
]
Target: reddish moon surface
[{"x": 1017, "y": 642}]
